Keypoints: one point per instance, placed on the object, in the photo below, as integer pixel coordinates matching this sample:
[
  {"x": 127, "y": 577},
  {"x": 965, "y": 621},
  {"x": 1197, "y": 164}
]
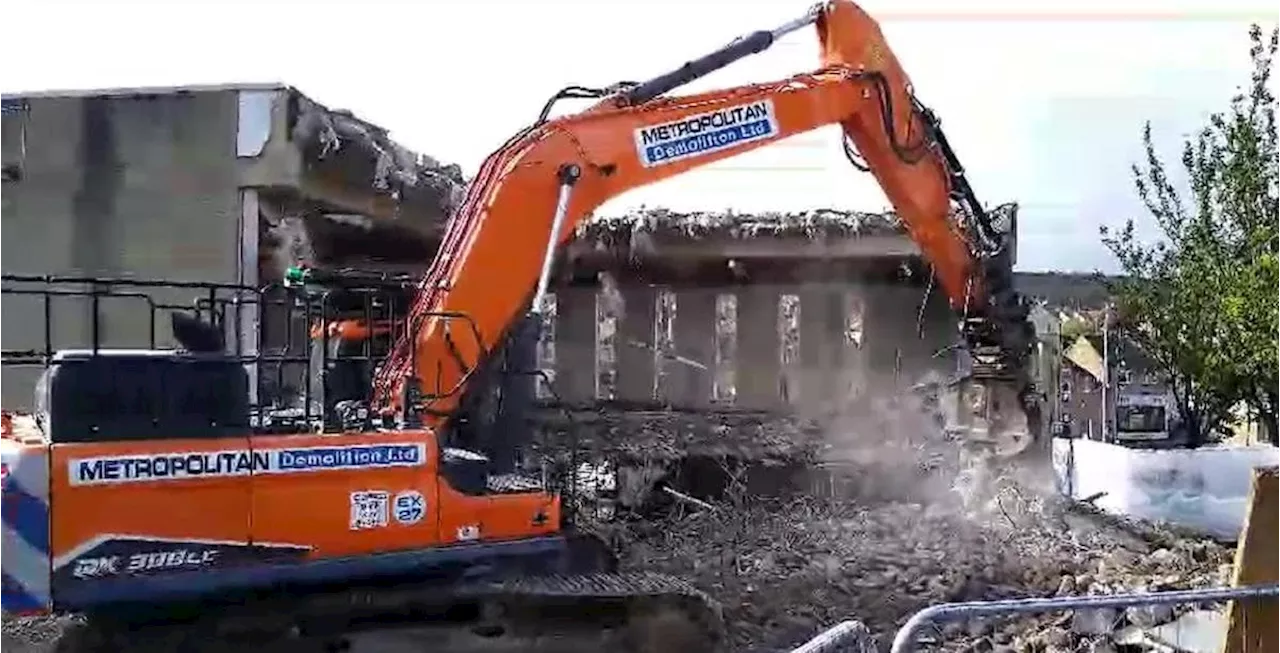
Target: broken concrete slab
[{"x": 1201, "y": 631}]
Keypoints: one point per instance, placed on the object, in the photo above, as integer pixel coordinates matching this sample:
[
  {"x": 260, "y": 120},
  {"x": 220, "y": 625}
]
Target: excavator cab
[
  {"x": 348, "y": 361},
  {"x": 353, "y": 319}
]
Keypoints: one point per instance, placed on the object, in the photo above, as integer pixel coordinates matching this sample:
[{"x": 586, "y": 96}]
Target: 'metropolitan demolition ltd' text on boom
[
  {"x": 240, "y": 462},
  {"x": 705, "y": 133}
]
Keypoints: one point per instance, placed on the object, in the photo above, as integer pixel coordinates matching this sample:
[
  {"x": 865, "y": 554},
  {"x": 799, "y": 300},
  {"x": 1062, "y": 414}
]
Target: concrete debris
[
  {"x": 366, "y": 152},
  {"x": 639, "y": 228},
  {"x": 1199, "y": 631},
  {"x": 34, "y": 634},
  {"x": 872, "y": 528},
  {"x": 668, "y": 435},
  {"x": 787, "y": 569},
  {"x": 789, "y": 565}
]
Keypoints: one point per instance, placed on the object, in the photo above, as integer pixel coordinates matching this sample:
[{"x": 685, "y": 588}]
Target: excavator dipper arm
[{"x": 531, "y": 193}]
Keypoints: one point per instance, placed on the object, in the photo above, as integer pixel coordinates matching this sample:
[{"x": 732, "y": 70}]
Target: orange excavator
[{"x": 149, "y": 488}]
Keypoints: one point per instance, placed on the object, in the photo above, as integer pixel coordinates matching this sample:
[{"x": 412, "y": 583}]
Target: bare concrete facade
[
  {"x": 804, "y": 346},
  {"x": 801, "y": 311}
]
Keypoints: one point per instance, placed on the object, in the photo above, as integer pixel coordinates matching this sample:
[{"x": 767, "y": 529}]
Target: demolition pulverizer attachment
[{"x": 987, "y": 412}]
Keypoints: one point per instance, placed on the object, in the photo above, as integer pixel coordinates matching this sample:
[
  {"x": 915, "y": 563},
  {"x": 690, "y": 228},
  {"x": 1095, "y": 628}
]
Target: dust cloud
[{"x": 887, "y": 444}]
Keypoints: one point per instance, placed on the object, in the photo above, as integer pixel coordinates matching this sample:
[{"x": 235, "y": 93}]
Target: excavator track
[{"x": 632, "y": 612}]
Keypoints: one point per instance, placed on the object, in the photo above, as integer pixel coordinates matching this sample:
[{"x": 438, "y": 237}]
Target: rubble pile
[
  {"x": 33, "y": 634},
  {"x": 632, "y": 455},
  {"x": 634, "y": 229},
  {"x": 787, "y": 569},
  {"x": 668, "y": 434},
  {"x": 878, "y": 528},
  {"x": 894, "y": 450}
]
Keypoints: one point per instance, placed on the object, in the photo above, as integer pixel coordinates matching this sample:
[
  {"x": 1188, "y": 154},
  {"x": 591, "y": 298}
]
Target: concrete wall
[
  {"x": 807, "y": 347},
  {"x": 141, "y": 186}
]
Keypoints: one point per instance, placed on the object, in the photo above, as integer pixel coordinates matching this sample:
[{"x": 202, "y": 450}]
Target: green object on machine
[{"x": 295, "y": 276}]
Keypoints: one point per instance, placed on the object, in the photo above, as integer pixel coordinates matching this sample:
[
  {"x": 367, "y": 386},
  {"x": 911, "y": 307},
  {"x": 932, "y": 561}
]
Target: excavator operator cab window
[
  {"x": 346, "y": 377},
  {"x": 346, "y": 367},
  {"x": 115, "y": 395}
]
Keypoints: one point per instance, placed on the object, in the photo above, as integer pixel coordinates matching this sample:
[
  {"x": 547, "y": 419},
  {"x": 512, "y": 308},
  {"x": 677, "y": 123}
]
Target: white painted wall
[{"x": 1206, "y": 489}]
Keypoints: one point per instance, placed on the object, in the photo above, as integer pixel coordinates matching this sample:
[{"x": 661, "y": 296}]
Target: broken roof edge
[
  {"x": 810, "y": 223},
  {"x": 131, "y": 91},
  {"x": 126, "y": 91},
  {"x": 366, "y": 156}
]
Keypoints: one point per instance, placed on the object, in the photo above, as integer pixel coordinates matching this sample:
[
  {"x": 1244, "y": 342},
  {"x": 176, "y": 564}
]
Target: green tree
[
  {"x": 1250, "y": 183},
  {"x": 1202, "y": 300}
]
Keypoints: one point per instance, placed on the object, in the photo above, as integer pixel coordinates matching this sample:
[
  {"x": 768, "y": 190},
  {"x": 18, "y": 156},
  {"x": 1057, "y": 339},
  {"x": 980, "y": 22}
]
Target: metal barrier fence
[{"x": 853, "y": 636}]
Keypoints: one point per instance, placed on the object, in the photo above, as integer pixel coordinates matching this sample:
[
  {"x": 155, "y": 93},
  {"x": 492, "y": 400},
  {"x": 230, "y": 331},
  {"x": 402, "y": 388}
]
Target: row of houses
[{"x": 1108, "y": 388}]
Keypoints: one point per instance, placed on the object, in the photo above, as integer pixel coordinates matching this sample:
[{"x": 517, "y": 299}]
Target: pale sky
[{"x": 1043, "y": 100}]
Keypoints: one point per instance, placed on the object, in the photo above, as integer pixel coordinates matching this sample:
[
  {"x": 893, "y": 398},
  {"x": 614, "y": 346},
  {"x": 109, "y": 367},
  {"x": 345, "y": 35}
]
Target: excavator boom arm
[{"x": 532, "y": 192}]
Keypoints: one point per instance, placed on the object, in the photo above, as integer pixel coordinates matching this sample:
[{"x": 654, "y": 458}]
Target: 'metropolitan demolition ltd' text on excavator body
[{"x": 158, "y": 487}]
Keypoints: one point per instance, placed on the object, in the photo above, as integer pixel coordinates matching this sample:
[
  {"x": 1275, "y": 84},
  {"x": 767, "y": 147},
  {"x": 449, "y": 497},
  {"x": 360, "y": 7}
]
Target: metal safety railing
[{"x": 854, "y": 636}]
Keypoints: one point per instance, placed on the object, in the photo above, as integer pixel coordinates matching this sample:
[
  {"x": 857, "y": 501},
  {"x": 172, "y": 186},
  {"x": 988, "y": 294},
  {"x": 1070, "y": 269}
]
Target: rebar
[{"x": 905, "y": 639}]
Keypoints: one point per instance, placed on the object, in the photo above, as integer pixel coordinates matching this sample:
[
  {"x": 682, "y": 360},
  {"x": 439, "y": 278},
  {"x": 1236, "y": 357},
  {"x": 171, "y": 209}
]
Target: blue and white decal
[
  {"x": 179, "y": 466},
  {"x": 24, "y": 538},
  {"x": 410, "y": 507},
  {"x": 704, "y": 133},
  {"x": 287, "y": 461}
]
